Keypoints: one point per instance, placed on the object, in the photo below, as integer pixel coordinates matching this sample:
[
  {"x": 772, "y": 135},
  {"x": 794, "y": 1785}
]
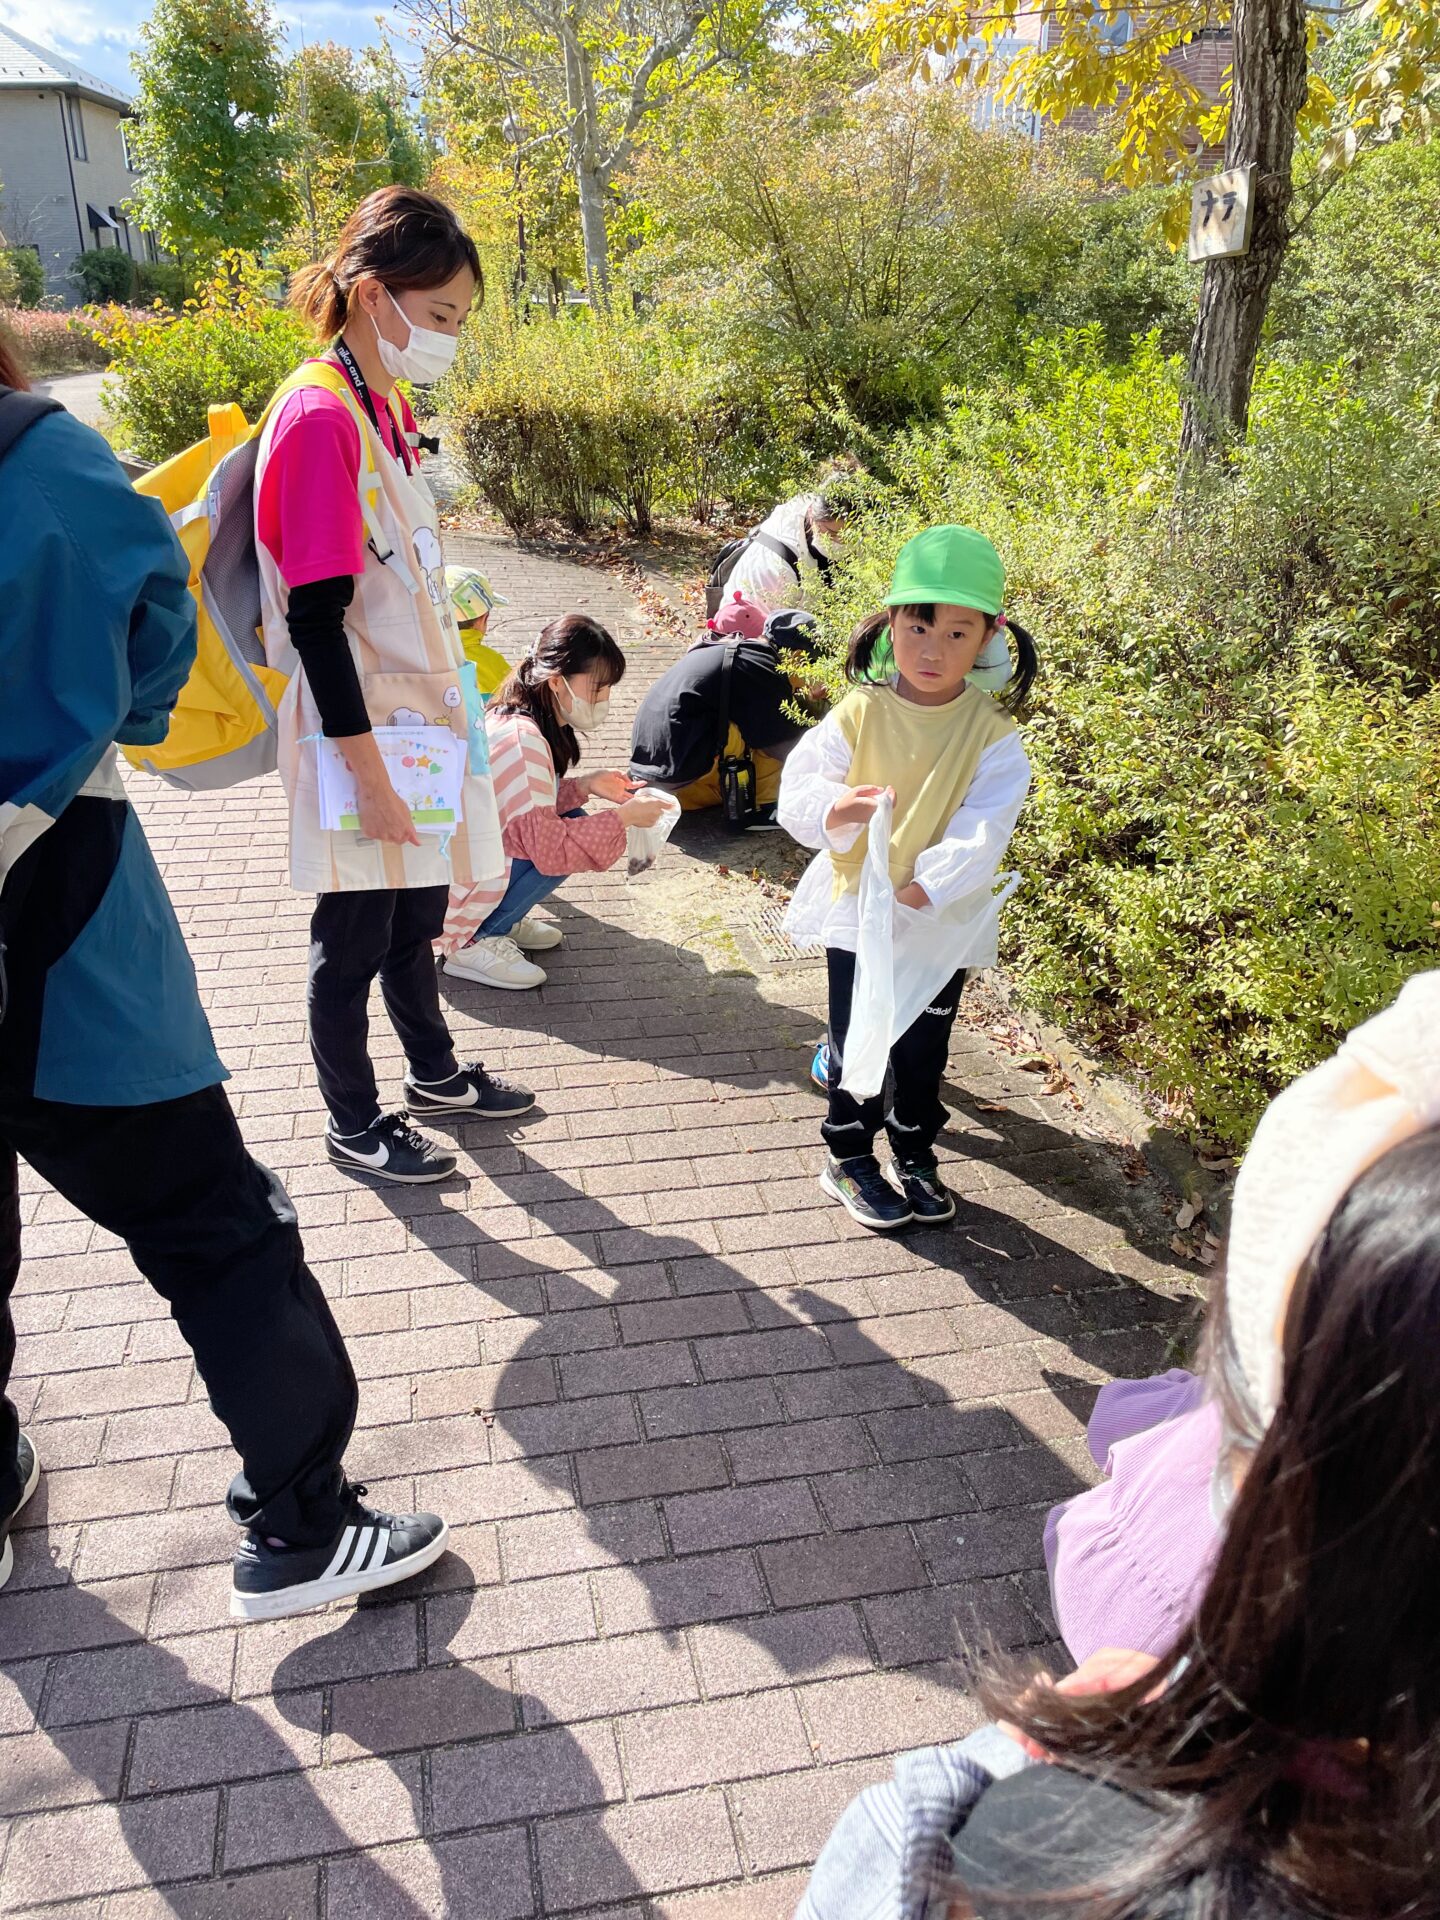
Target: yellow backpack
[{"x": 222, "y": 730}]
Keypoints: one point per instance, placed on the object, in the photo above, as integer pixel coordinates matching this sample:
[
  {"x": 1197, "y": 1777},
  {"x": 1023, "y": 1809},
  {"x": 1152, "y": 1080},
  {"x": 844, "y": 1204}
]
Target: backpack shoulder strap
[
  {"x": 774, "y": 544},
  {"x": 19, "y": 412},
  {"x": 321, "y": 373},
  {"x": 727, "y": 676}
]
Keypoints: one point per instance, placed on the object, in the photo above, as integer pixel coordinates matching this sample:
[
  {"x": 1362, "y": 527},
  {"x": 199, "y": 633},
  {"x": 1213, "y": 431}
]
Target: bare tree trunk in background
[
  {"x": 587, "y": 163},
  {"x": 593, "y": 230},
  {"x": 1268, "y": 92}
]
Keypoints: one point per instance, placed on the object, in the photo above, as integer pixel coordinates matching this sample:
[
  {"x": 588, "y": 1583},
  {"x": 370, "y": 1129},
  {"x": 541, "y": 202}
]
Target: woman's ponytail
[
  {"x": 1027, "y": 666},
  {"x": 864, "y": 641},
  {"x": 317, "y": 296}
]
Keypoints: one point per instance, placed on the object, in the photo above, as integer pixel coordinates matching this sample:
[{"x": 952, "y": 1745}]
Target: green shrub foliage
[
  {"x": 589, "y": 420},
  {"x": 103, "y": 274},
  {"x": 230, "y": 343},
  {"x": 22, "y": 277}
]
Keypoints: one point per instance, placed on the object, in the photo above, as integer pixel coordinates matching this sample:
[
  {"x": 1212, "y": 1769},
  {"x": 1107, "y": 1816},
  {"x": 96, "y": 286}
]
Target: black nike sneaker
[
  {"x": 391, "y": 1150},
  {"x": 471, "y": 1092},
  {"x": 28, "y": 1462},
  {"x": 865, "y": 1193},
  {"x": 370, "y": 1550},
  {"x": 931, "y": 1201}
]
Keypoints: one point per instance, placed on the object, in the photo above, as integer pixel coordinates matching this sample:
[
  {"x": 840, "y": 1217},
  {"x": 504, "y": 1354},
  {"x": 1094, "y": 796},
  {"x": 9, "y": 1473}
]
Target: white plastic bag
[
  {"x": 643, "y": 844},
  {"x": 905, "y": 955}
]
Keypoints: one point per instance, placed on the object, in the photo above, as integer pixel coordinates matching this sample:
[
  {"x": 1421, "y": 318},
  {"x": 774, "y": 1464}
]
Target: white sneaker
[
  {"x": 495, "y": 961},
  {"x": 536, "y": 936}
]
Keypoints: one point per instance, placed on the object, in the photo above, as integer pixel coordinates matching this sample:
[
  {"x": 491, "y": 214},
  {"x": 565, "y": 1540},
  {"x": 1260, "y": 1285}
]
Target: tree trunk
[
  {"x": 1269, "y": 83},
  {"x": 593, "y": 230},
  {"x": 585, "y": 159}
]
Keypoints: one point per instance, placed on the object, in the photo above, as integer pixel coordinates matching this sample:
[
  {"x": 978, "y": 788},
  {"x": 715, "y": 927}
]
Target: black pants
[
  {"x": 215, "y": 1235},
  {"x": 354, "y": 937},
  {"x": 917, "y": 1066}
]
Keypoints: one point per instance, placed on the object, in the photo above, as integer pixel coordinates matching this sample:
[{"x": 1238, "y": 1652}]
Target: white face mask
[
  {"x": 425, "y": 356},
  {"x": 585, "y": 716}
]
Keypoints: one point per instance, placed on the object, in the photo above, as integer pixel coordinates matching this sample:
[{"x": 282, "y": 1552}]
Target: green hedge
[
  {"x": 103, "y": 274},
  {"x": 588, "y": 421},
  {"x": 168, "y": 370},
  {"x": 22, "y": 277},
  {"x": 1232, "y": 850}
]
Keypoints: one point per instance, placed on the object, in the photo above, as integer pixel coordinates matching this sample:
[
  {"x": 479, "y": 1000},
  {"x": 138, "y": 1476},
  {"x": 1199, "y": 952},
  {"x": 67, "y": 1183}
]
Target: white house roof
[{"x": 23, "y": 64}]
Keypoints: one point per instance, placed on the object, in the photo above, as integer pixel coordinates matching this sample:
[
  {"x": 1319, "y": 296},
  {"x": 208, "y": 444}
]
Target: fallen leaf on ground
[
  {"x": 1189, "y": 1213},
  {"x": 1179, "y": 1244}
]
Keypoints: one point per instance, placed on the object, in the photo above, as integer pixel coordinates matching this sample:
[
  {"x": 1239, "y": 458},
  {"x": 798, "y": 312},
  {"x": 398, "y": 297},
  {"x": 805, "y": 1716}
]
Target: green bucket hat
[{"x": 948, "y": 567}]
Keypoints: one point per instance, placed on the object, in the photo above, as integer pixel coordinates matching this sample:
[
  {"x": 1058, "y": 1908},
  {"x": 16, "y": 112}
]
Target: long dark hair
[
  {"x": 875, "y": 627},
  {"x": 1296, "y": 1753},
  {"x": 398, "y": 235},
  {"x": 573, "y": 644},
  {"x": 12, "y": 374}
]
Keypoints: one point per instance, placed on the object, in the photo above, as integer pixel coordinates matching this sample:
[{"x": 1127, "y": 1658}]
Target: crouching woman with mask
[{"x": 559, "y": 691}]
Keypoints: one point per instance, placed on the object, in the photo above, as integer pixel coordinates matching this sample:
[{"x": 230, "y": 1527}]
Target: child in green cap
[{"x": 916, "y": 726}]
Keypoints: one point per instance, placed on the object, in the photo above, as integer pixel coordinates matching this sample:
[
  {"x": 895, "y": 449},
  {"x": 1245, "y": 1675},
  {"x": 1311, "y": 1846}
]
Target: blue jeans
[{"x": 526, "y": 889}]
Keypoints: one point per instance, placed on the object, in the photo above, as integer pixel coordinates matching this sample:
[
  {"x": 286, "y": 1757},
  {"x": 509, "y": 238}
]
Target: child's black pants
[{"x": 917, "y": 1066}]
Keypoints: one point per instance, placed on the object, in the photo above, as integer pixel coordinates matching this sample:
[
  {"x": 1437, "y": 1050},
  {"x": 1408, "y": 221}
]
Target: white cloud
[
  {"x": 101, "y": 34},
  {"x": 101, "y": 38}
]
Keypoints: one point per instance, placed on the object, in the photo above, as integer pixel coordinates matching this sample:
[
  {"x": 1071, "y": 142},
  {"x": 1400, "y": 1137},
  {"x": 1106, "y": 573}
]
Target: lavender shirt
[{"x": 1129, "y": 1558}]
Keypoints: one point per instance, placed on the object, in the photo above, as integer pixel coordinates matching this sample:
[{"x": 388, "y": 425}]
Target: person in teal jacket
[{"x": 110, "y": 1085}]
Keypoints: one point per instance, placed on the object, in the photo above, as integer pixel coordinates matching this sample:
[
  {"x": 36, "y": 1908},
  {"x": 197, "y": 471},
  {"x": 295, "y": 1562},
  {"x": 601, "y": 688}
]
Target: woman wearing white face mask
[
  {"x": 355, "y": 609},
  {"x": 557, "y": 695}
]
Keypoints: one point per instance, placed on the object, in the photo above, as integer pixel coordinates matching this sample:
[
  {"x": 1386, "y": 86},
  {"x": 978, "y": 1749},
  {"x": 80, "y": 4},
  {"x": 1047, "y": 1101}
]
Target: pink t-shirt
[{"x": 308, "y": 509}]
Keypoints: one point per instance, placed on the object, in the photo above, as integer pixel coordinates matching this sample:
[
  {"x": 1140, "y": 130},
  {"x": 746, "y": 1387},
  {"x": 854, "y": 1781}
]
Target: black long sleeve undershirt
[{"x": 315, "y": 615}]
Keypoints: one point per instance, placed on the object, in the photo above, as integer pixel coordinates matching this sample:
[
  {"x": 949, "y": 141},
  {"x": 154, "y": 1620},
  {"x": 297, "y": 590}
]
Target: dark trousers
[
  {"x": 354, "y": 937},
  {"x": 215, "y": 1235},
  {"x": 917, "y": 1066}
]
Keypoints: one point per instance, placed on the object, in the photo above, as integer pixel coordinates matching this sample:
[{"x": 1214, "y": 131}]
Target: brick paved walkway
[{"x": 731, "y": 1482}]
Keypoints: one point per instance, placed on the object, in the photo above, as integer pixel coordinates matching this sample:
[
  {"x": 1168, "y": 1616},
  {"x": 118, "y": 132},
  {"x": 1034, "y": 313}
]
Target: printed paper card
[{"x": 426, "y": 766}]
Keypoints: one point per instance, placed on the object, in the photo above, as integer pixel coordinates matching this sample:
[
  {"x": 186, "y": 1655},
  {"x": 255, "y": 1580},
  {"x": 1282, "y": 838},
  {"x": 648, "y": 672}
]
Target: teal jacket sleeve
[{"x": 97, "y": 624}]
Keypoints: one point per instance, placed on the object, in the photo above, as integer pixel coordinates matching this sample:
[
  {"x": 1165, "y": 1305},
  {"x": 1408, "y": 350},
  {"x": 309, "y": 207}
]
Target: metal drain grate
[{"x": 762, "y": 923}]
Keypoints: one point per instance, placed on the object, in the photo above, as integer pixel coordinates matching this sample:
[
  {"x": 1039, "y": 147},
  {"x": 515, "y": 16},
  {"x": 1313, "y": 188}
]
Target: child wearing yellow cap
[{"x": 919, "y": 725}]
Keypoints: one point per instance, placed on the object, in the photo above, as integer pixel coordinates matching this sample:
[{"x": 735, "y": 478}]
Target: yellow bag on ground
[{"x": 705, "y": 792}]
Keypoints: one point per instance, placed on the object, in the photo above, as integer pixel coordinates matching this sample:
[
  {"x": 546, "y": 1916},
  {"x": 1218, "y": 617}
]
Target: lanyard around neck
[{"x": 358, "y": 381}]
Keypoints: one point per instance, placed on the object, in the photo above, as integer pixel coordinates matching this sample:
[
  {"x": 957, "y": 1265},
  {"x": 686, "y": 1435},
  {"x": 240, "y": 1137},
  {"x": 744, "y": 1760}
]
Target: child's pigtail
[
  {"x": 1027, "y": 666},
  {"x": 860, "y": 664}
]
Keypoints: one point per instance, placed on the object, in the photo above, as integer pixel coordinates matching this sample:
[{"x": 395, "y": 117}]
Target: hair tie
[{"x": 1001, "y": 621}]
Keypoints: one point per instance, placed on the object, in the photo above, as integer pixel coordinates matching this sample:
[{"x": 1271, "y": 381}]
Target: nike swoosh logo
[
  {"x": 377, "y": 1157},
  {"x": 448, "y": 1099}
]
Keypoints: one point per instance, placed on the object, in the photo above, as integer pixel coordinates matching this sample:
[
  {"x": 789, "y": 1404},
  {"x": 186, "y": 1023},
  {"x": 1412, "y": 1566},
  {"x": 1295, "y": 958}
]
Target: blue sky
[{"x": 101, "y": 34}]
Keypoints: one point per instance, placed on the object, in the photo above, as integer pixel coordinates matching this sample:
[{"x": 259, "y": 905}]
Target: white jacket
[{"x": 762, "y": 576}]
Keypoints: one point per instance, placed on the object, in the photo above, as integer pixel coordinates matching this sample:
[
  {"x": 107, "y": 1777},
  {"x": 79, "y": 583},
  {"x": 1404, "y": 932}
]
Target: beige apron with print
[{"x": 407, "y": 650}]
